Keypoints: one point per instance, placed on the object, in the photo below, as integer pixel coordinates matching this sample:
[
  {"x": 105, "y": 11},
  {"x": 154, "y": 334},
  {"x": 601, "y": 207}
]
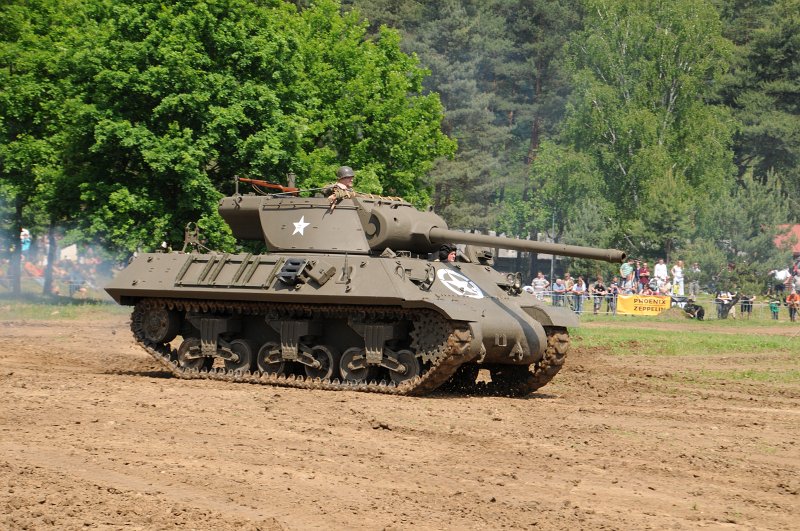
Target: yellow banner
[{"x": 642, "y": 304}]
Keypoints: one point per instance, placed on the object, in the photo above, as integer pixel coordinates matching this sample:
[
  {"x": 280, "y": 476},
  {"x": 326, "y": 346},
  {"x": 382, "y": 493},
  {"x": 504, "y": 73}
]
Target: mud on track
[{"x": 93, "y": 435}]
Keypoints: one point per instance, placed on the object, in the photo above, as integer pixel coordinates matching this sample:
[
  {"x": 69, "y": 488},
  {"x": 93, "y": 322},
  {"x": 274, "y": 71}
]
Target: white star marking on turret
[{"x": 300, "y": 226}]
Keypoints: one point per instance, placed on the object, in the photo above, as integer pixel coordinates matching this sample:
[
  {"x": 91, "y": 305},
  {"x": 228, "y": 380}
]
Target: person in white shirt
[
  {"x": 559, "y": 291},
  {"x": 660, "y": 271},
  {"x": 578, "y": 291},
  {"x": 781, "y": 276},
  {"x": 540, "y": 285},
  {"x": 677, "y": 278}
]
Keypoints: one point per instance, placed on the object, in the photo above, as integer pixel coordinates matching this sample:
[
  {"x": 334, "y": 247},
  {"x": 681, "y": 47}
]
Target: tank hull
[
  {"x": 503, "y": 326},
  {"x": 441, "y": 311}
]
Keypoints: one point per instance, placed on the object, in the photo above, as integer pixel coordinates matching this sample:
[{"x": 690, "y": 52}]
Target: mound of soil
[{"x": 673, "y": 313}]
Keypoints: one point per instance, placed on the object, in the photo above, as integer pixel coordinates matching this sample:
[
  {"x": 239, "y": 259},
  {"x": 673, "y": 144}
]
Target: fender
[{"x": 552, "y": 316}]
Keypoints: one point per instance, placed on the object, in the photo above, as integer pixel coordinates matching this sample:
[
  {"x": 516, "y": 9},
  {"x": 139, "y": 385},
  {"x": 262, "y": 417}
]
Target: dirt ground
[{"x": 94, "y": 435}]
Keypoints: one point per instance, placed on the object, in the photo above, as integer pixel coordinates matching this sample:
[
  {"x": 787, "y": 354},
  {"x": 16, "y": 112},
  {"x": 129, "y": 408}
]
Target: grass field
[
  {"x": 701, "y": 354},
  {"x": 52, "y": 308},
  {"x": 653, "y": 336},
  {"x": 669, "y": 334}
]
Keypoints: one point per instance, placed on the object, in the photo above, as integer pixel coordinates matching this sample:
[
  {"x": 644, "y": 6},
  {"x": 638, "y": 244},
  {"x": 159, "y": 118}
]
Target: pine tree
[{"x": 764, "y": 91}]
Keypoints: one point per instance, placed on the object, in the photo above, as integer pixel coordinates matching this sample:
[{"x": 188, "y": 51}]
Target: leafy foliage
[
  {"x": 498, "y": 68},
  {"x": 642, "y": 70},
  {"x": 737, "y": 251},
  {"x": 33, "y": 108},
  {"x": 172, "y": 100},
  {"x": 603, "y": 122}
]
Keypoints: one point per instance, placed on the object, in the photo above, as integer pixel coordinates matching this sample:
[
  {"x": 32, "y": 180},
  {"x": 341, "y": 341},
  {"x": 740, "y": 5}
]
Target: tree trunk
[
  {"x": 52, "y": 252},
  {"x": 14, "y": 271},
  {"x": 533, "y": 264},
  {"x": 15, "y": 268},
  {"x": 533, "y": 147}
]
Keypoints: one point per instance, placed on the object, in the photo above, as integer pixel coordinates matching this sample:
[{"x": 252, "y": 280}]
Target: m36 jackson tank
[{"x": 347, "y": 298}]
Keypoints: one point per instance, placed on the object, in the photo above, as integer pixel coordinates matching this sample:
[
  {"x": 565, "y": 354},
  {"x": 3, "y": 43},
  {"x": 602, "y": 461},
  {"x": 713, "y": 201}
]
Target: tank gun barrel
[{"x": 441, "y": 236}]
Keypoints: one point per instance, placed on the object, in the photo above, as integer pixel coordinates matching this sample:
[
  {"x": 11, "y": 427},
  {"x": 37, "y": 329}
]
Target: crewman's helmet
[
  {"x": 345, "y": 172},
  {"x": 445, "y": 250}
]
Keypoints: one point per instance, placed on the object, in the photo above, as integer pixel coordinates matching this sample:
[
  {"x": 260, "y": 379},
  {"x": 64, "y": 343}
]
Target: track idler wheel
[
  {"x": 353, "y": 365},
  {"x": 160, "y": 325},
  {"x": 407, "y": 368}
]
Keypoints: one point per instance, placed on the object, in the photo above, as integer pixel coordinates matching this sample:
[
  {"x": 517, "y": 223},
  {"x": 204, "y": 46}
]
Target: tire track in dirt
[
  {"x": 93, "y": 435},
  {"x": 76, "y": 470}
]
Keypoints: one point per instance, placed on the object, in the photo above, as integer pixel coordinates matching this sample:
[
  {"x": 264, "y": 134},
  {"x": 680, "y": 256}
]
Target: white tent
[{"x": 69, "y": 253}]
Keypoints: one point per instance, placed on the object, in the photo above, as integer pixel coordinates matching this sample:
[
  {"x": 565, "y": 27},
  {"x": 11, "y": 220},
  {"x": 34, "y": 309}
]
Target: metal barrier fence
[
  {"x": 607, "y": 305},
  {"x": 60, "y": 286}
]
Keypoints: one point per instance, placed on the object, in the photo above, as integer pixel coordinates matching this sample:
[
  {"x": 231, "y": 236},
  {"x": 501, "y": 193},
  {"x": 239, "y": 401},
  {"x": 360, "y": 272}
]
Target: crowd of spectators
[
  {"x": 637, "y": 279},
  {"x": 75, "y": 274},
  {"x": 786, "y": 290},
  {"x": 573, "y": 292},
  {"x": 677, "y": 281},
  {"x": 634, "y": 278}
]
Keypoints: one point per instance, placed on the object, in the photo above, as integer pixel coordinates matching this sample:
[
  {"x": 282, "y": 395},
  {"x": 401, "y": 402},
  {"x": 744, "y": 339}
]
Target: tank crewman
[
  {"x": 342, "y": 188},
  {"x": 446, "y": 253}
]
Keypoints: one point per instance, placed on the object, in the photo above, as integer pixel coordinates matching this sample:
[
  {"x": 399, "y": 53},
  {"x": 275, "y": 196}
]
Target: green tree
[
  {"x": 530, "y": 83},
  {"x": 590, "y": 226},
  {"x": 565, "y": 180},
  {"x": 737, "y": 251},
  {"x": 570, "y": 202},
  {"x": 763, "y": 89},
  {"x": 455, "y": 47},
  {"x": 371, "y": 111},
  {"x": 497, "y": 67},
  {"x": 183, "y": 95},
  {"x": 33, "y": 95},
  {"x": 670, "y": 220},
  {"x": 643, "y": 70}
]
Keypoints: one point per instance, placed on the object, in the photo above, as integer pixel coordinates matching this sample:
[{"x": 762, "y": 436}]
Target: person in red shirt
[
  {"x": 644, "y": 276},
  {"x": 793, "y": 302}
]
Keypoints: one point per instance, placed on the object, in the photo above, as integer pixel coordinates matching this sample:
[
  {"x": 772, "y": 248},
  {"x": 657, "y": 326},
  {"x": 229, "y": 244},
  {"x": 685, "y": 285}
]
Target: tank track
[
  {"x": 544, "y": 370},
  {"x": 445, "y": 344},
  {"x": 516, "y": 380}
]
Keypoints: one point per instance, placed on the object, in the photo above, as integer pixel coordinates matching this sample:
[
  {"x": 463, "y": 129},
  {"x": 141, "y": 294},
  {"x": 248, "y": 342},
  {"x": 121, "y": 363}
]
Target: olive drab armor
[{"x": 352, "y": 298}]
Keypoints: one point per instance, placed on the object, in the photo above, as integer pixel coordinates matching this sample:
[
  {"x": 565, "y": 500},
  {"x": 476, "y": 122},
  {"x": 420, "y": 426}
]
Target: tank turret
[
  {"x": 347, "y": 298},
  {"x": 365, "y": 225}
]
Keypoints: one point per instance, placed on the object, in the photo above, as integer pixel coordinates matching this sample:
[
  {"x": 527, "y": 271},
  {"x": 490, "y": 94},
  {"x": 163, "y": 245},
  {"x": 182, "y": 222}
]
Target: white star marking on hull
[{"x": 459, "y": 284}]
